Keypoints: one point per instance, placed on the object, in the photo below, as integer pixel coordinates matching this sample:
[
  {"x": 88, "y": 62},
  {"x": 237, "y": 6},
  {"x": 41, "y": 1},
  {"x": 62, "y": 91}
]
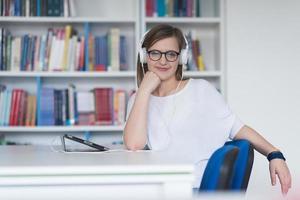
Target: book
[
  {"x": 71, "y": 105},
  {"x": 46, "y": 107},
  {"x": 103, "y": 106},
  {"x": 119, "y": 107},
  {"x": 86, "y": 107},
  {"x": 114, "y": 50},
  {"x": 66, "y": 49}
]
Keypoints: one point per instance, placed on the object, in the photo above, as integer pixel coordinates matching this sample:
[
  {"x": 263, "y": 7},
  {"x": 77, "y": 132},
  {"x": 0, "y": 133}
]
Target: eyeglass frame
[{"x": 165, "y": 53}]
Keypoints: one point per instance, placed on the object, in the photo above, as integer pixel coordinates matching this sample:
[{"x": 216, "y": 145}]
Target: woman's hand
[
  {"x": 279, "y": 167},
  {"x": 150, "y": 82}
]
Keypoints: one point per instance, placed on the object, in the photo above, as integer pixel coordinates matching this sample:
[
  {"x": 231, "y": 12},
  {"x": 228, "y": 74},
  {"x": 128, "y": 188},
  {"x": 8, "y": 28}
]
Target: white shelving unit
[
  {"x": 129, "y": 17},
  {"x": 101, "y": 15}
]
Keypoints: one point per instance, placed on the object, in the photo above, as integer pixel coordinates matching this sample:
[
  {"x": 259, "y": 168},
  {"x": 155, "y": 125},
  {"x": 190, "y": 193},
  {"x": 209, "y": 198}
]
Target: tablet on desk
[{"x": 82, "y": 145}]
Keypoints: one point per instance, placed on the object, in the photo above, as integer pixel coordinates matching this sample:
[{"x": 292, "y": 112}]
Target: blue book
[
  {"x": 2, "y": 103},
  {"x": 161, "y": 8},
  {"x": 176, "y": 8},
  {"x": 86, "y": 46},
  {"x": 25, "y": 41},
  {"x": 103, "y": 55},
  {"x": 46, "y": 109},
  {"x": 1, "y": 49},
  {"x": 76, "y": 114},
  {"x": 7, "y": 107},
  {"x": 17, "y": 11},
  {"x": 184, "y": 8},
  {"x": 38, "y": 7},
  {"x": 58, "y": 107}
]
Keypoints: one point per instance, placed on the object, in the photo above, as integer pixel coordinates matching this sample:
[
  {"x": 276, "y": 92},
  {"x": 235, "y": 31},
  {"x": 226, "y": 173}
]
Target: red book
[
  {"x": 15, "y": 109},
  {"x": 195, "y": 52},
  {"x": 12, "y": 107},
  {"x": 81, "y": 55},
  {"x": 149, "y": 8},
  {"x": 103, "y": 106},
  {"x": 23, "y": 104}
]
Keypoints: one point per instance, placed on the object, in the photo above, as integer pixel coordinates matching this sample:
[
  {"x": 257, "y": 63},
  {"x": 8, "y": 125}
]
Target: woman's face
[{"x": 163, "y": 58}]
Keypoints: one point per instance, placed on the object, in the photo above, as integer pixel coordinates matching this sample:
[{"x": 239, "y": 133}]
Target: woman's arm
[
  {"x": 276, "y": 166},
  {"x": 135, "y": 132}
]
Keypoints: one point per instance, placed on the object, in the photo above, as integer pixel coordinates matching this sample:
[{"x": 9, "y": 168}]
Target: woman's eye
[
  {"x": 171, "y": 54},
  {"x": 155, "y": 53}
]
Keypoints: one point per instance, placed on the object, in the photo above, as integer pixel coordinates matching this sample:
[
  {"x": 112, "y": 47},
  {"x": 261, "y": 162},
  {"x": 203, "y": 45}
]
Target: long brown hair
[{"x": 155, "y": 34}]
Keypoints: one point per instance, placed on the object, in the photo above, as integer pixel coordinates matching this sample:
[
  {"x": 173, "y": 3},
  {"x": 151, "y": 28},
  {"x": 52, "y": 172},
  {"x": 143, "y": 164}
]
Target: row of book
[
  {"x": 17, "y": 107},
  {"x": 57, "y": 8},
  {"x": 173, "y": 8},
  {"x": 196, "y": 60},
  {"x": 62, "y": 107},
  {"x": 63, "y": 50}
]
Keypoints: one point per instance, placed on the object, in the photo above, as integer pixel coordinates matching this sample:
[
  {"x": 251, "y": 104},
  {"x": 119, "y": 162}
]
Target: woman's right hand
[{"x": 150, "y": 82}]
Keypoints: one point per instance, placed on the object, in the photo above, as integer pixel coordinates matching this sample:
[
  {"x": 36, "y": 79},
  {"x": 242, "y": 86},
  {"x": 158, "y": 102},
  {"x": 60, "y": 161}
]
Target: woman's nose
[{"x": 163, "y": 59}]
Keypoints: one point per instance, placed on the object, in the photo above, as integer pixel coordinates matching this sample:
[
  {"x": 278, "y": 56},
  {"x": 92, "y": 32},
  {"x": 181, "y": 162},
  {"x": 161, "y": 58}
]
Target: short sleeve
[
  {"x": 221, "y": 109},
  {"x": 237, "y": 125}
]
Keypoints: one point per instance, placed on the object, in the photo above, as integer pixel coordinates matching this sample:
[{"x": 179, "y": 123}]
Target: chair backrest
[
  {"x": 243, "y": 164},
  {"x": 219, "y": 169}
]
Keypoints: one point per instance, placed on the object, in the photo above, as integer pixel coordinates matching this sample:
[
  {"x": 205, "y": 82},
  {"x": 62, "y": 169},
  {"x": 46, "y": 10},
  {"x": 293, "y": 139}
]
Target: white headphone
[{"x": 183, "y": 57}]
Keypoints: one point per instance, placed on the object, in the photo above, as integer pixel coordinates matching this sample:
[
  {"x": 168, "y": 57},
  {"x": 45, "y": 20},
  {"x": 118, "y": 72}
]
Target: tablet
[{"x": 95, "y": 147}]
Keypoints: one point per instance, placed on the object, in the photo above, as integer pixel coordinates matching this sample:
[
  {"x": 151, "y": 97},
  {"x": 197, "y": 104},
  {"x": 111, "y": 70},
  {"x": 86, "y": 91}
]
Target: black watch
[{"x": 274, "y": 155}]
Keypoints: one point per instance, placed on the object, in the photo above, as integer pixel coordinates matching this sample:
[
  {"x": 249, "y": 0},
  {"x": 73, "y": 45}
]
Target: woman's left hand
[{"x": 279, "y": 167}]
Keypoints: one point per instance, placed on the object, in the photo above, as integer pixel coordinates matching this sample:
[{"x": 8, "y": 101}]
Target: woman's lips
[{"x": 163, "y": 69}]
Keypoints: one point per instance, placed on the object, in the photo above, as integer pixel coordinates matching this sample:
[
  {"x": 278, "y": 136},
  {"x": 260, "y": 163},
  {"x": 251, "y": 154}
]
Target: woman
[{"x": 168, "y": 112}]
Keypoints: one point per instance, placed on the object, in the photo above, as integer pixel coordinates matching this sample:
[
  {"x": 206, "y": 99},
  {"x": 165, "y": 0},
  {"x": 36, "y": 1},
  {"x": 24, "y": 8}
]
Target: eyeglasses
[{"x": 170, "y": 56}]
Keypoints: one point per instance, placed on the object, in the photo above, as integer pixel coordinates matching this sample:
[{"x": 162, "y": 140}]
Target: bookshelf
[{"x": 102, "y": 15}]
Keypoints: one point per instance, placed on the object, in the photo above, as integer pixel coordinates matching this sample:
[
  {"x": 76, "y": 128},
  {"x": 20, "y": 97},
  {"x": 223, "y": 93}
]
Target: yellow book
[
  {"x": 33, "y": 111},
  {"x": 28, "y": 110},
  {"x": 115, "y": 49},
  {"x": 91, "y": 52},
  {"x": 68, "y": 30},
  {"x": 201, "y": 65}
]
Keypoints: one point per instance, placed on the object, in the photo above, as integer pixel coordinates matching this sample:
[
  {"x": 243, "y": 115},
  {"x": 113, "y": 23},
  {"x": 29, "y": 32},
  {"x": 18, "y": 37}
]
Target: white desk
[{"x": 30, "y": 172}]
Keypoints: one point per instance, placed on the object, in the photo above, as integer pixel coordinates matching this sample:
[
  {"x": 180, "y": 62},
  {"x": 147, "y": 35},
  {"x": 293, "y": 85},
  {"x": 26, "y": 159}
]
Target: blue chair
[
  {"x": 243, "y": 164},
  {"x": 219, "y": 169}
]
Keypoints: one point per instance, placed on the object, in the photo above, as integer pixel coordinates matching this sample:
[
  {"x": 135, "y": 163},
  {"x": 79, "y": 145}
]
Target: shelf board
[
  {"x": 116, "y": 74},
  {"x": 62, "y": 129},
  {"x": 65, "y": 20},
  {"x": 199, "y": 74},
  {"x": 199, "y": 20},
  {"x": 120, "y": 74}
]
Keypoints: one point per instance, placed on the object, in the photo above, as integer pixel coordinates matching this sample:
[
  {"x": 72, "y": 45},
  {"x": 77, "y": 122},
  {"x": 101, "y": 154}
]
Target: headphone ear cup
[
  {"x": 183, "y": 57},
  {"x": 143, "y": 54}
]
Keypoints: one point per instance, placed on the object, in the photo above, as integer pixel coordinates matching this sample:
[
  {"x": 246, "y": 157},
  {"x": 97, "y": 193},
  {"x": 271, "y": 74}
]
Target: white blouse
[{"x": 191, "y": 123}]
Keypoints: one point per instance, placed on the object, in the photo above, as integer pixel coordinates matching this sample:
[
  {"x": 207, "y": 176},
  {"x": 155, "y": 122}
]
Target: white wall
[{"x": 263, "y": 70}]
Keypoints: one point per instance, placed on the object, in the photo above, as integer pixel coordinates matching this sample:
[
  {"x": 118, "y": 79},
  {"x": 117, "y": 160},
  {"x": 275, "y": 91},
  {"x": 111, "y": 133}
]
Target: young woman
[{"x": 169, "y": 113}]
